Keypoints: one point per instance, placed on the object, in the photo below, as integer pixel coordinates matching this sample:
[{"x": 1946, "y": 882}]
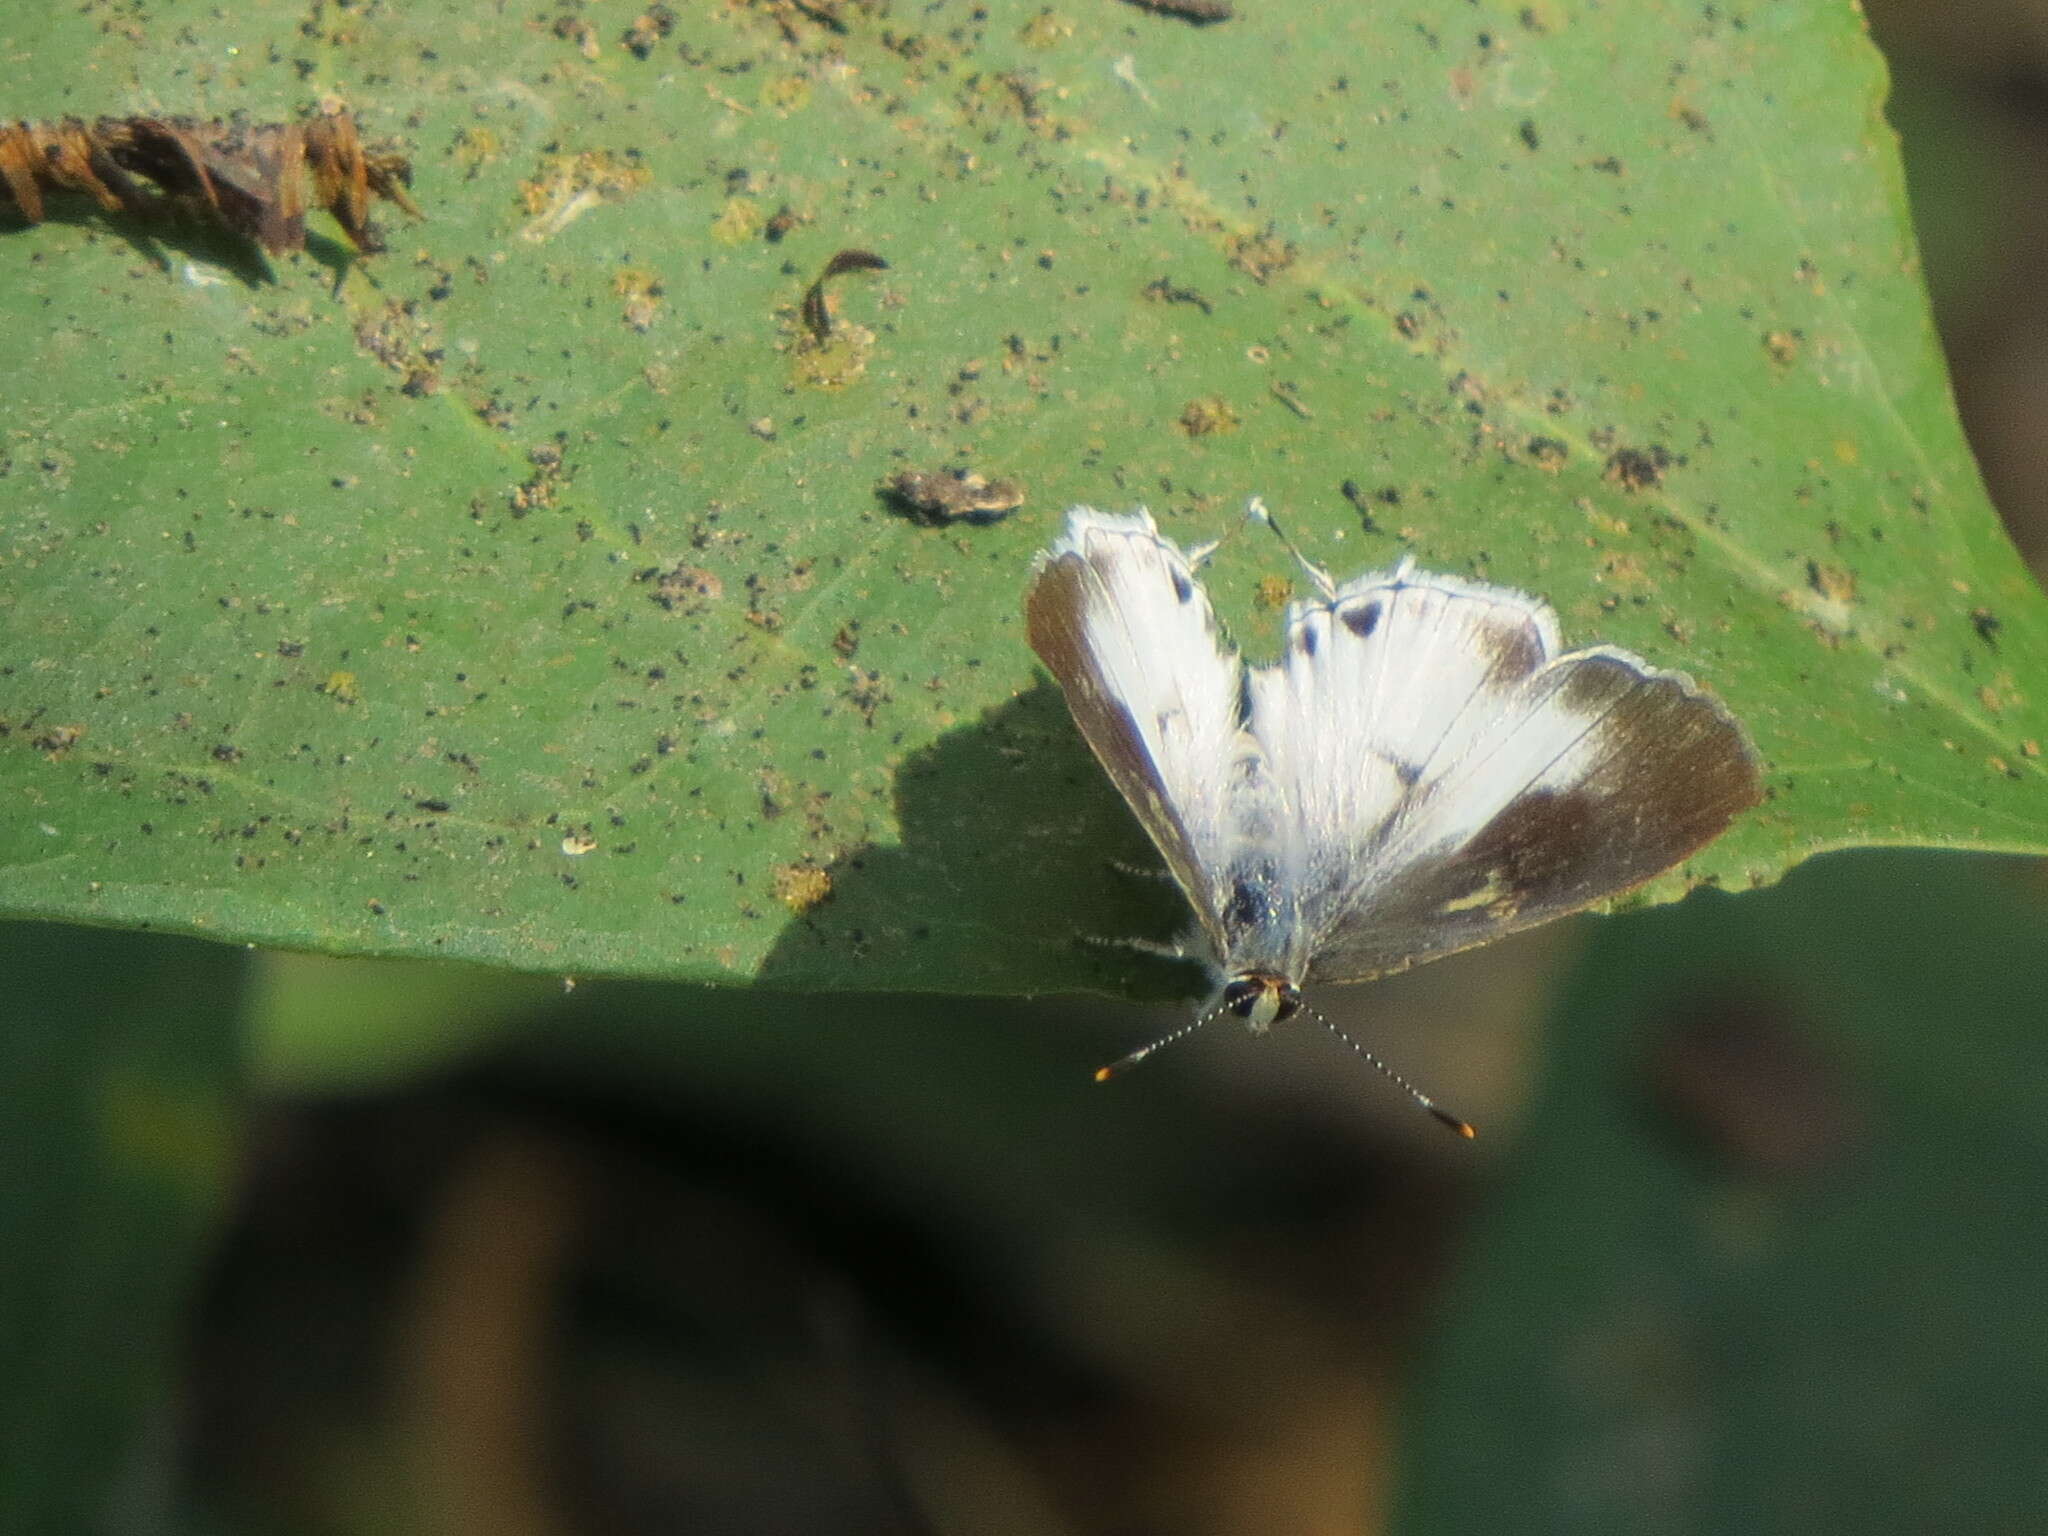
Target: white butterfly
[{"x": 1423, "y": 770}]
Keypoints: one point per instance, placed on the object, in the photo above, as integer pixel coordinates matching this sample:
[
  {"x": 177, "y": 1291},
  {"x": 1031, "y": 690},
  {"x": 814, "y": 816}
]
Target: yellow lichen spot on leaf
[
  {"x": 2002, "y": 693},
  {"x": 1624, "y": 571},
  {"x": 1273, "y": 592},
  {"x": 739, "y": 221},
  {"x": 1834, "y": 583},
  {"x": 475, "y": 148},
  {"x": 786, "y": 93},
  {"x": 1048, "y": 29},
  {"x": 1261, "y": 255},
  {"x": 837, "y": 361},
  {"x": 800, "y": 887},
  {"x": 1210, "y": 414},
  {"x": 642, "y": 292},
  {"x": 569, "y": 185},
  {"x": 58, "y": 740}
]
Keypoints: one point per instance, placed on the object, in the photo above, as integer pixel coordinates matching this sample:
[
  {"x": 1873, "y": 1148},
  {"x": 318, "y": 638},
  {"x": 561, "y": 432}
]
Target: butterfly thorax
[
  {"x": 1252, "y": 903},
  {"x": 1261, "y": 999}
]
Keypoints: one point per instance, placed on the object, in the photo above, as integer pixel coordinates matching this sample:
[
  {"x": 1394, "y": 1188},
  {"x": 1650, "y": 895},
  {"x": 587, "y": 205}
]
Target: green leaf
[
  {"x": 523, "y": 595},
  {"x": 1820, "y": 1310}
]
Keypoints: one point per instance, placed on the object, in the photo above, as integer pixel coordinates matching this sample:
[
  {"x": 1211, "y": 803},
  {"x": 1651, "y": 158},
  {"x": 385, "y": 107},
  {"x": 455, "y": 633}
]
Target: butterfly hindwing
[
  {"x": 1379, "y": 686},
  {"x": 1597, "y": 773}
]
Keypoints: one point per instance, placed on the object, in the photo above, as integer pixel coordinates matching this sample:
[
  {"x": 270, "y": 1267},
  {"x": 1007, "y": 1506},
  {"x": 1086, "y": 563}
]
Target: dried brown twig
[{"x": 250, "y": 178}]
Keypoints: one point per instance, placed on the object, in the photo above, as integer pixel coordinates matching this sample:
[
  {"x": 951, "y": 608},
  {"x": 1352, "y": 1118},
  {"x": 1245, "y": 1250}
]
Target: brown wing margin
[
  {"x": 1054, "y": 615},
  {"x": 1674, "y": 768}
]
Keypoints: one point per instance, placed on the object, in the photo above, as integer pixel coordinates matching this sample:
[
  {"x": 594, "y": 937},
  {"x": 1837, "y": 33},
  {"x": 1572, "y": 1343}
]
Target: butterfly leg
[
  {"x": 1160, "y": 950},
  {"x": 1140, "y": 871}
]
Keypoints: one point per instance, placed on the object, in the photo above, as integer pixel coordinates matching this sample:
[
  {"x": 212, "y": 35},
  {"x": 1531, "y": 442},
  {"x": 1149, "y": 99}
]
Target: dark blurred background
[
  {"x": 1970, "y": 103},
  {"x": 493, "y": 1256}
]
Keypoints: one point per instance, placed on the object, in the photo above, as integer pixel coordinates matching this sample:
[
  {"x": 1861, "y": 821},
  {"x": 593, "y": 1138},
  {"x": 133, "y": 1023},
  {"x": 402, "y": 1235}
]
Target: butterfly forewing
[{"x": 1119, "y": 618}]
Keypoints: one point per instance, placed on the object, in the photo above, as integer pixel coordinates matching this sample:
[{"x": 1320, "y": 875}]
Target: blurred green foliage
[
  {"x": 120, "y": 1116},
  {"x": 1768, "y": 1256}
]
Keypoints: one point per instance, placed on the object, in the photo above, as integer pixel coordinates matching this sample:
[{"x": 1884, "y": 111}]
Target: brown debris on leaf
[
  {"x": 1637, "y": 469},
  {"x": 1200, "y": 13},
  {"x": 950, "y": 496},
  {"x": 816, "y": 311},
  {"x": 256, "y": 180}
]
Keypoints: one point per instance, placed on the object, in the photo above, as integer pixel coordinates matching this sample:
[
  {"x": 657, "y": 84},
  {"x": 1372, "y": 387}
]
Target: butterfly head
[{"x": 1261, "y": 999}]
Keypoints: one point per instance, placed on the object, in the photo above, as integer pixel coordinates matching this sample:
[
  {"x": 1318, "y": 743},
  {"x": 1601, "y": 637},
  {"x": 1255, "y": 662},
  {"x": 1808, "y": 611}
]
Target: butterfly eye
[{"x": 1261, "y": 1000}]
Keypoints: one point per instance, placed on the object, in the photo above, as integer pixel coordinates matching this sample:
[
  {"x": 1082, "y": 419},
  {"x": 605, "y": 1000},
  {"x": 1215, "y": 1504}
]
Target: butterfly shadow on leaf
[
  {"x": 1021, "y": 871},
  {"x": 1016, "y": 859}
]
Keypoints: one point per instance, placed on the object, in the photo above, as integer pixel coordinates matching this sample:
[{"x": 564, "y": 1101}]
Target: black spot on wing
[
  {"x": 1183, "y": 586},
  {"x": 1512, "y": 643},
  {"x": 1363, "y": 619}
]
